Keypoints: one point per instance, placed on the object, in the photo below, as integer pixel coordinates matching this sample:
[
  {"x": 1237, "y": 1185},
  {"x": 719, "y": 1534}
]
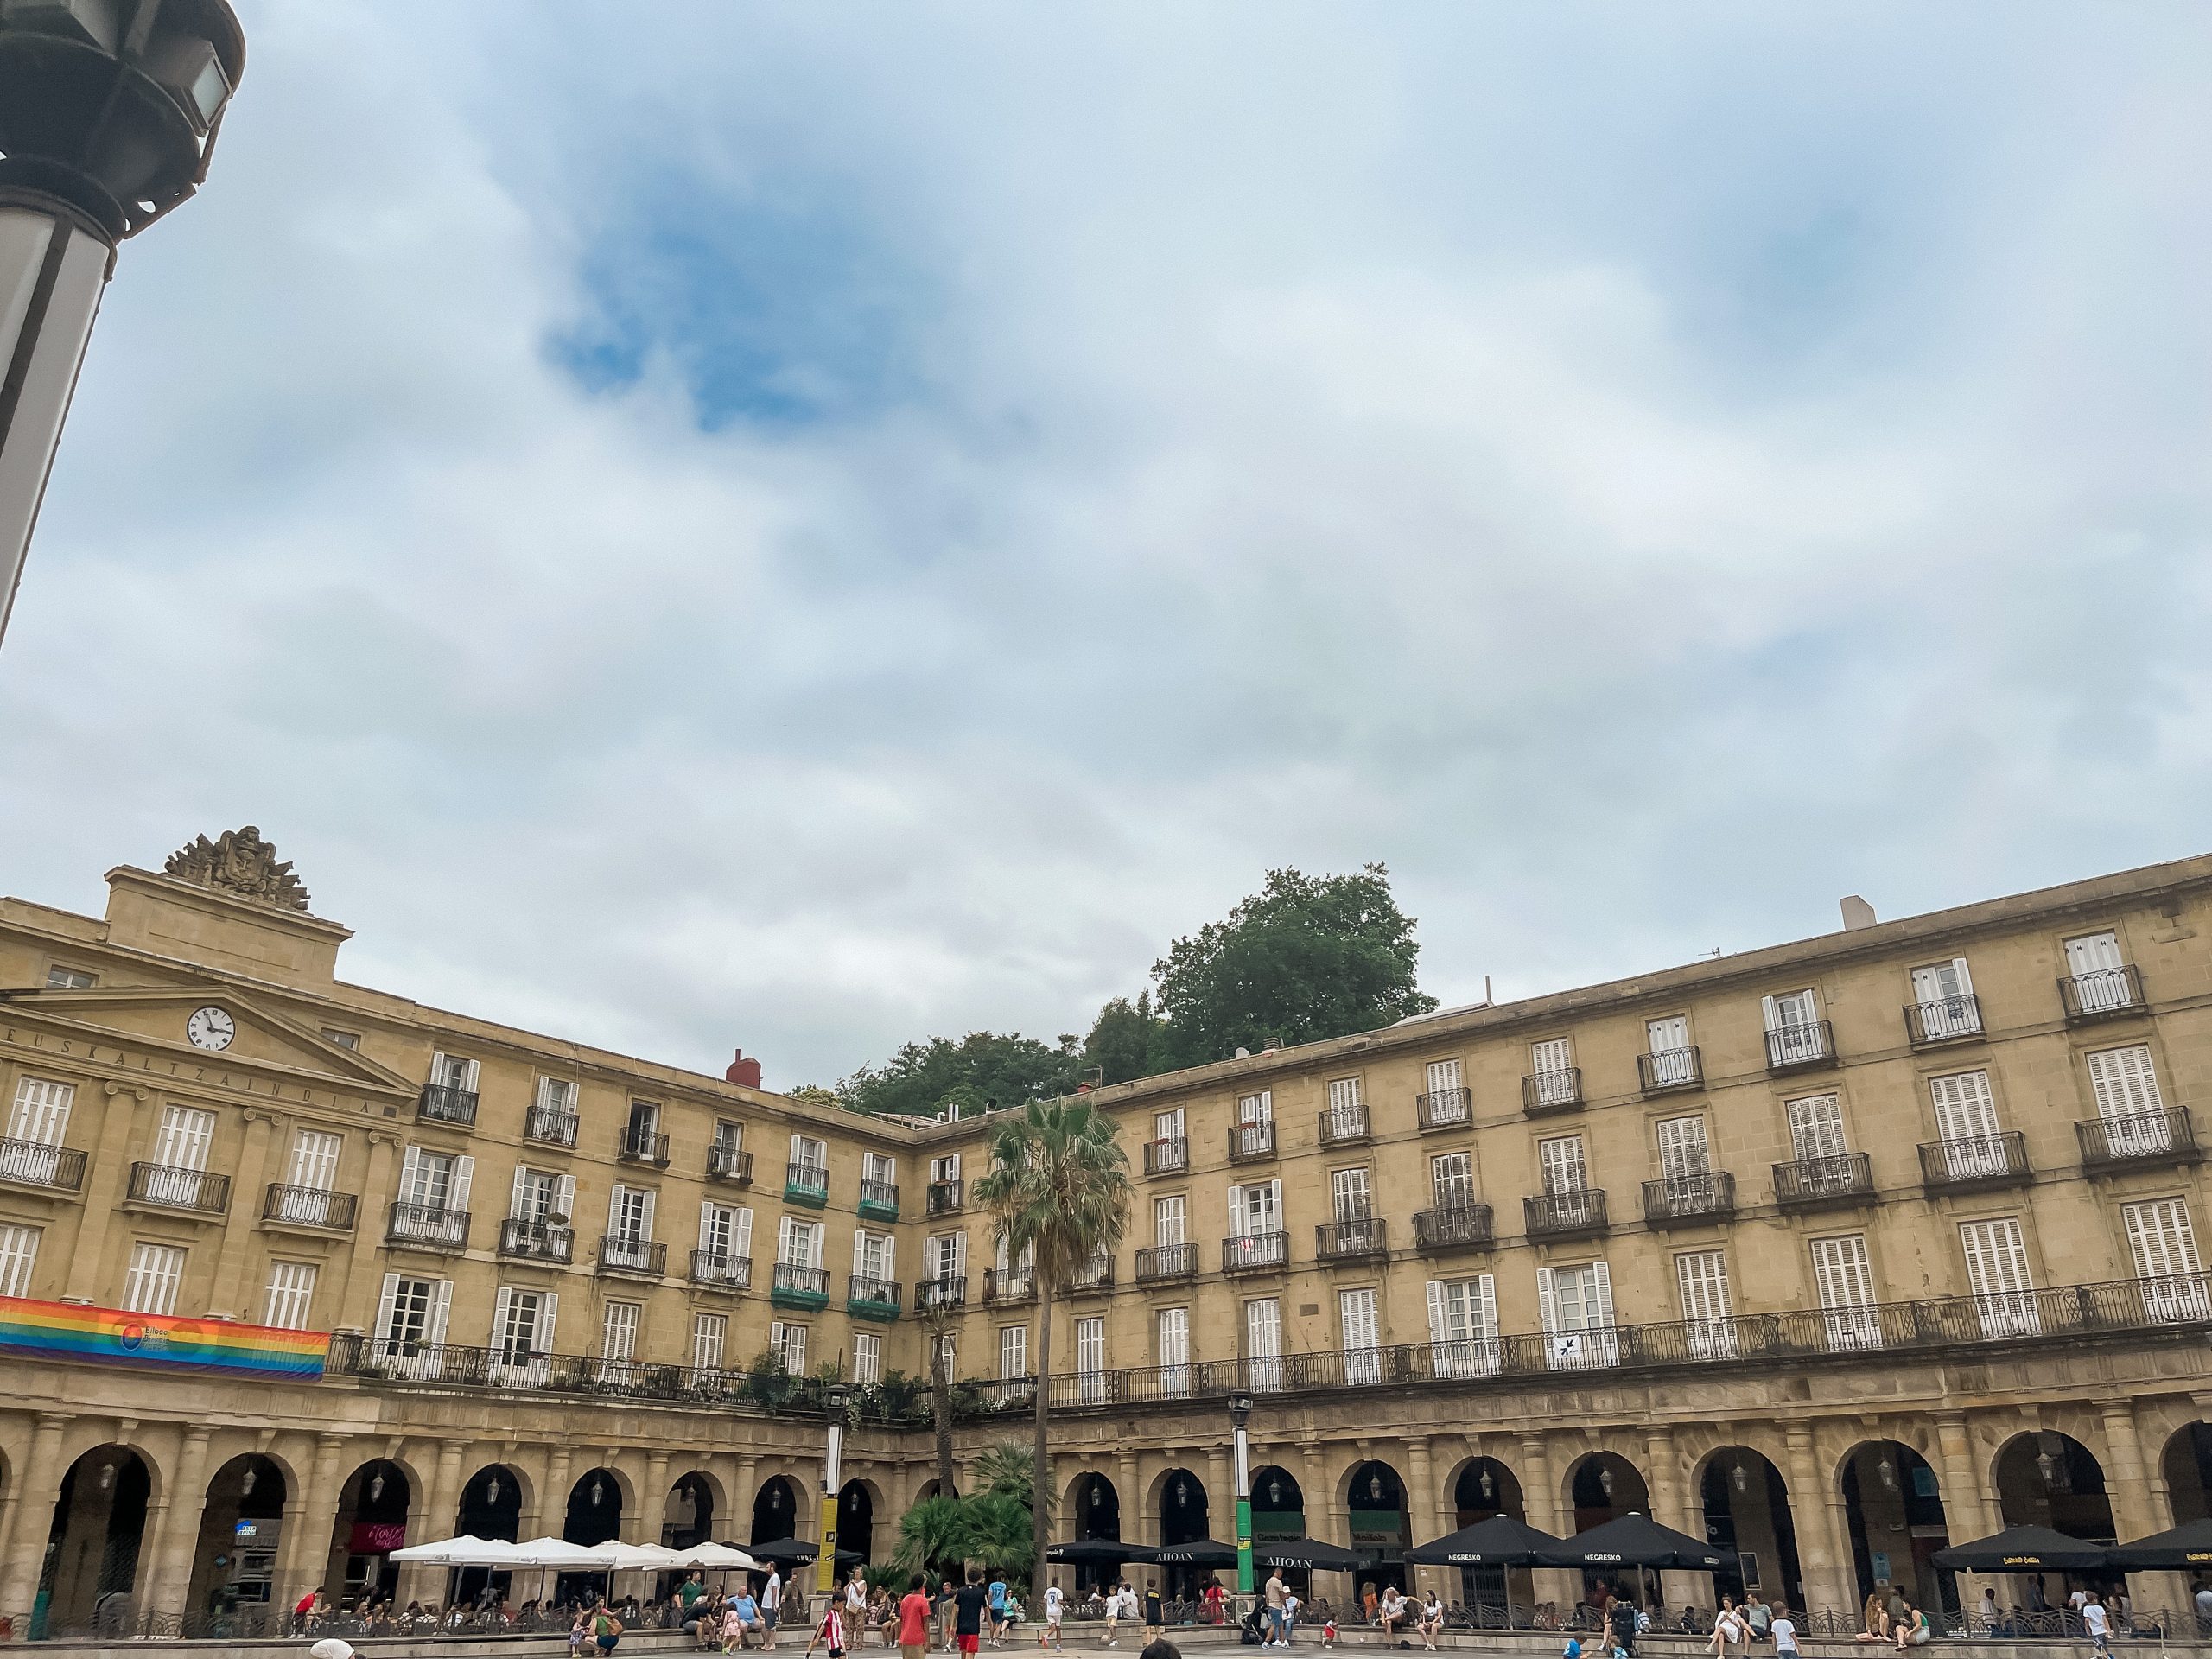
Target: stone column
[
  {"x": 653, "y": 1501},
  {"x": 1422, "y": 1513},
  {"x": 229, "y": 1297},
  {"x": 307, "y": 1545},
  {"x": 1967, "y": 1514},
  {"x": 365, "y": 1268},
  {"x": 1560, "y": 1585},
  {"x": 2134, "y": 1511},
  {"x": 1220, "y": 1495},
  {"x": 1822, "y": 1551},
  {"x": 740, "y": 1500},
  {"x": 173, "y": 1539},
  {"x": 107, "y": 1170},
  {"x": 427, "y": 1583},
  {"x": 1137, "y": 1525},
  {"x": 40, "y": 1488},
  {"x": 1671, "y": 1506},
  {"x": 553, "y": 1497}
]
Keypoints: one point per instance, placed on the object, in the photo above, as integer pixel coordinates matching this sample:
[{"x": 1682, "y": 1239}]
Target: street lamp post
[
  {"x": 109, "y": 111},
  {"x": 1240, "y": 1415},
  {"x": 825, "y": 1564}
]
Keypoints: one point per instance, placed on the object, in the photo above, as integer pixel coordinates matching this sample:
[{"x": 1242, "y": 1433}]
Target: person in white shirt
[
  {"x": 1431, "y": 1621},
  {"x": 771, "y": 1604},
  {"x": 2204, "y": 1605},
  {"x": 1290, "y": 1606},
  {"x": 1052, "y": 1603},
  {"x": 1393, "y": 1613},
  {"x": 1783, "y": 1630},
  {"x": 2099, "y": 1627}
]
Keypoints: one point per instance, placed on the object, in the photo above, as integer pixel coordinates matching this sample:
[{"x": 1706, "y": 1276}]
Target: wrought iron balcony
[
  {"x": 1453, "y": 1227},
  {"x": 1248, "y": 1142},
  {"x": 1008, "y": 1284},
  {"x": 441, "y": 1102},
  {"x": 642, "y": 1256},
  {"x": 1345, "y": 1126},
  {"x": 2101, "y": 993},
  {"x": 1998, "y": 1159},
  {"x": 644, "y": 1146},
  {"x": 1946, "y": 1020},
  {"x": 1095, "y": 1274},
  {"x": 172, "y": 1188},
  {"x": 1573, "y": 1213},
  {"x": 951, "y": 1290},
  {"x": 1841, "y": 1179},
  {"x": 1667, "y": 1069},
  {"x": 796, "y": 1286},
  {"x": 1362, "y": 1238},
  {"x": 719, "y": 1272},
  {"x": 1800, "y": 1048},
  {"x": 525, "y": 1240},
  {"x": 1445, "y": 1108},
  {"x": 1168, "y": 1157},
  {"x": 2144, "y": 1138},
  {"x": 428, "y": 1226},
  {"x": 807, "y": 1184},
  {"x": 946, "y": 1197},
  {"x": 1162, "y": 1261},
  {"x": 879, "y": 1201},
  {"x": 727, "y": 1163},
  {"x": 869, "y": 1298},
  {"x": 1551, "y": 1091},
  {"x": 310, "y": 1207},
  {"x": 553, "y": 1126},
  {"x": 1255, "y": 1252},
  {"x": 33, "y": 1163},
  {"x": 1689, "y": 1200}
]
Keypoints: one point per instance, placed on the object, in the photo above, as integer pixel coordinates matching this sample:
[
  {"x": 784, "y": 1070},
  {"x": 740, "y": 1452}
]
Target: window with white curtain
[
  {"x": 18, "y": 1259},
  {"x": 291, "y": 1289},
  {"x": 150, "y": 1284}
]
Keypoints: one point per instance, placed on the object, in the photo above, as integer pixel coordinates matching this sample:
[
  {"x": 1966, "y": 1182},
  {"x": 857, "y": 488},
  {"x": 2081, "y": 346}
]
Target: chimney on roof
[
  {"x": 744, "y": 1074},
  {"x": 1857, "y": 914}
]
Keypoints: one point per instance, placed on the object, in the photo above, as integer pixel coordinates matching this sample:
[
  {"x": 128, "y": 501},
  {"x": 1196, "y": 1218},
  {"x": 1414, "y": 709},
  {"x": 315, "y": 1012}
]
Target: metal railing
[
  {"x": 174, "y": 1188},
  {"x": 618, "y": 1254},
  {"x": 1669, "y": 1068},
  {"x": 527, "y": 1240},
  {"x": 945, "y": 1198},
  {"x": 727, "y": 1163},
  {"x": 1255, "y": 1252},
  {"x": 555, "y": 1126},
  {"x": 441, "y": 1102},
  {"x": 1344, "y": 1126},
  {"x": 1096, "y": 1273},
  {"x": 1552, "y": 1092},
  {"x": 310, "y": 1206},
  {"x": 429, "y": 1224},
  {"x": 33, "y": 1163},
  {"x": 2101, "y": 993},
  {"x": 727, "y": 1272},
  {"x": 1159, "y": 1262},
  {"x": 643, "y": 1147},
  {"x": 1444, "y": 1109},
  {"x": 2141, "y": 1137},
  {"x": 951, "y": 1290},
  {"x": 1555, "y": 1215},
  {"x": 1453, "y": 1227},
  {"x": 1248, "y": 1142},
  {"x": 872, "y": 1298},
  {"x": 1841, "y": 1178},
  {"x": 805, "y": 1284},
  {"x": 1944, "y": 1020},
  {"x": 1701, "y": 1196},
  {"x": 1975, "y": 1159},
  {"x": 1008, "y": 1284},
  {"x": 1169, "y": 1157},
  {"x": 1791, "y": 1048},
  {"x": 1352, "y": 1240},
  {"x": 809, "y": 1183},
  {"x": 879, "y": 1198}
]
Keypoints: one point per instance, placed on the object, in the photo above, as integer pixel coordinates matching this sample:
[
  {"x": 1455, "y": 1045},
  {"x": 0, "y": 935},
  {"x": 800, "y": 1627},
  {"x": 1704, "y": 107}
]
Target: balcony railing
[
  {"x": 1665, "y": 1068},
  {"x": 946, "y": 1197},
  {"x": 619, "y": 1255},
  {"x": 432, "y": 1226},
  {"x": 727, "y": 1163},
  {"x": 1445, "y": 1108},
  {"x": 1453, "y": 1227},
  {"x": 879, "y": 1201},
  {"x": 1797, "y": 1048},
  {"x": 1251, "y": 1141},
  {"x": 1097, "y": 1274},
  {"x": 310, "y": 1206},
  {"x": 1361, "y": 1238},
  {"x": 1008, "y": 1284},
  {"x": 721, "y": 1271},
  {"x": 1255, "y": 1252},
  {"x": 1844, "y": 1178},
  {"x": 526, "y": 1240},
  {"x": 1569, "y": 1214},
  {"x": 552, "y": 1125},
  {"x": 2101, "y": 994},
  {"x": 1344, "y": 1126},
  {"x": 951, "y": 1290},
  {"x": 1688, "y": 1200},
  {"x": 1976, "y": 1160},
  {"x": 2141, "y": 1138},
  {"x": 1162, "y": 1262},
  {"x": 644, "y": 1146},
  {"x": 1551, "y": 1091},
  {"x": 1946, "y": 1020},
  {"x": 173, "y": 1188},
  {"x": 796, "y": 1286},
  {"x": 807, "y": 1184},
  {"x": 1168, "y": 1157},
  {"x": 869, "y": 1298},
  {"x": 33, "y": 1163},
  {"x": 441, "y": 1102}
]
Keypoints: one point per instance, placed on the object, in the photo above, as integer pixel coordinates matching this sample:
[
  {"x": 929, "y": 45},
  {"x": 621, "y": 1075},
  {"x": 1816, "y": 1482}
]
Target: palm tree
[
  {"x": 1058, "y": 1188},
  {"x": 936, "y": 1323}
]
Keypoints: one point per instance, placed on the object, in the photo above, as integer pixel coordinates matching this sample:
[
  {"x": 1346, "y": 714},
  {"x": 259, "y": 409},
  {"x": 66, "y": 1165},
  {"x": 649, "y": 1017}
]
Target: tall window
[
  {"x": 1966, "y": 1126},
  {"x": 945, "y": 1167},
  {"x": 2099, "y": 973},
  {"x": 788, "y": 1343},
  {"x": 19, "y": 1259},
  {"x": 1462, "y": 1326},
  {"x": 180, "y": 1155},
  {"x": 878, "y": 1166},
  {"x": 1442, "y": 1076},
  {"x": 556, "y": 1096},
  {"x": 1361, "y": 1334},
  {"x": 2164, "y": 1247},
  {"x": 644, "y": 1124},
  {"x": 1702, "y": 1281},
  {"x": 1552, "y": 1065},
  {"x": 798, "y": 1243},
  {"x": 1816, "y": 1126},
  {"x": 1944, "y": 992},
  {"x": 539, "y": 1195},
  {"x": 1254, "y": 1221},
  {"x": 291, "y": 1289},
  {"x": 867, "y": 1356},
  {"x": 1347, "y": 1116},
  {"x": 411, "y": 1312},
  {"x": 1350, "y": 1196},
  {"x": 709, "y": 1341},
  {"x": 1577, "y": 1306},
  {"x": 150, "y": 1285},
  {"x": 1683, "y": 1155},
  {"x": 1452, "y": 1180},
  {"x": 1559, "y": 1158},
  {"x": 725, "y": 1231},
  {"x": 872, "y": 1255},
  {"x": 1793, "y": 1029},
  {"x": 1167, "y": 1126},
  {"x": 1256, "y": 1107},
  {"x": 314, "y": 1160},
  {"x": 729, "y": 1141},
  {"x": 617, "y": 1337},
  {"x": 1669, "y": 1034},
  {"x": 1263, "y": 1341},
  {"x": 1013, "y": 1353},
  {"x": 629, "y": 1215},
  {"x": 1091, "y": 1357},
  {"x": 521, "y": 1327},
  {"x": 1996, "y": 1270},
  {"x": 1174, "y": 1326},
  {"x": 435, "y": 1180},
  {"x": 811, "y": 1154},
  {"x": 1168, "y": 1218},
  {"x": 2126, "y": 1089},
  {"x": 451, "y": 1072},
  {"x": 34, "y": 1131},
  {"x": 944, "y": 1255},
  {"x": 1845, "y": 1279}
]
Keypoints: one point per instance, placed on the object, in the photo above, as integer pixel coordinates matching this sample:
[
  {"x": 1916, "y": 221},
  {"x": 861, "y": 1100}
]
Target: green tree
[
  {"x": 1058, "y": 1188},
  {"x": 936, "y": 1312},
  {"x": 1304, "y": 959},
  {"x": 982, "y": 1067},
  {"x": 1123, "y": 1040}
]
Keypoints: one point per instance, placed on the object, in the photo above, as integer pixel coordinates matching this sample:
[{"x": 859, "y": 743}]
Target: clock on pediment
[{"x": 210, "y": 1027}]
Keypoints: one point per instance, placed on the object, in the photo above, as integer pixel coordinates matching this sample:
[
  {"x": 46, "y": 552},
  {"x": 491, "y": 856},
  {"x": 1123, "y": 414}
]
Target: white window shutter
[
  {"x": 959, "y": 1255},
  {"x": 646, "y": 1231},
  {"x": 464, "y": 1172},
  {"x": 1601, "y": 1280},
  {"x": 441, "y": 1305},
  {"x": 410, "y": 1172},
  {"x": 565, "y": 1198},
  {"x": 471, "y": 1084},
  {"x": 1486, "y": 1305},
  {"x": 859, "y": 1253},
  {"x": 1767, "y": 1010},
  {"x": 1436, "y": 1327},
  {"x": 514, "y": 1201},
  {"x": 743, "y": 1234},
  {"x": 502, "y": 1305},
  {"x": 615, "y": 1209},
  {"x": 1547, "y": 1299},
  {"x": 387, "y": 1302},
  {"x": 547, "y": 1307},
  {"x": 706, "y": 1221},
  {"x": 890, "y": 1247}
]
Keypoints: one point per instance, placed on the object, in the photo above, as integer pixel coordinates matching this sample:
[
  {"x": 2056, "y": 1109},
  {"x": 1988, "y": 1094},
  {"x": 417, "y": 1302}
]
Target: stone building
[{"x": 1830, "y": 1252}]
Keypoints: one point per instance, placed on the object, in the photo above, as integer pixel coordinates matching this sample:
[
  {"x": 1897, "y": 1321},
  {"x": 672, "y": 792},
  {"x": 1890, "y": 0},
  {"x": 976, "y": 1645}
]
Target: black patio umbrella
[
  {"x": 794, "y": 1552},
  {"x": 1097, "y": 1552},
  {"x": 1308, "y": 1553},
  {"x": 1499, "y": 1541},
  {"x": 1633, "y": 1541},
  {"x": 2176, "y": 1549},
  {"x": 2023, "y": 1549},
  {"x": 1204, "y": 1552}
]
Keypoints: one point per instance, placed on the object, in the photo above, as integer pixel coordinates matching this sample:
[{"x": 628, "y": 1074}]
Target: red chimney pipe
[{"x": 744, "y": 1074}]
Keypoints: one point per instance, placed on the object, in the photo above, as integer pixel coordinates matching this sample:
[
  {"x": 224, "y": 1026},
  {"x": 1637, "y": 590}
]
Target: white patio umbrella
[
  {"x": 718, "y": 1556},
  {"x": 447, "y": 1552}
]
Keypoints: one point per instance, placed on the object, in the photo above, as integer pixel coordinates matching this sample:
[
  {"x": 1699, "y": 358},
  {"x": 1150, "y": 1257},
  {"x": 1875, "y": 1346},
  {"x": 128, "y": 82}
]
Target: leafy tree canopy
[
  {"x": 1123, "y": 1041},
  {"x": 921, "y": 1079}
]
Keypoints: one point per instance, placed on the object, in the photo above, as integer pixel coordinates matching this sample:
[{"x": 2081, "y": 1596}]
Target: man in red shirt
[{"x": 913, "y": 1621}]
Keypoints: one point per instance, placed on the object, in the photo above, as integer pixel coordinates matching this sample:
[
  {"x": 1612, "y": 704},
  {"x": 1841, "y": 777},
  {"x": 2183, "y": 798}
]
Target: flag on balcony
[{"x": 108, "y": 1336}]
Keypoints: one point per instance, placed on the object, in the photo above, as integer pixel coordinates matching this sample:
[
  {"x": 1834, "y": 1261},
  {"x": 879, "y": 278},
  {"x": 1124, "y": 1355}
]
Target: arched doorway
[
  {"x": 775, "y": 1511},
  {"x": 1601, "y": 1487},
  {"x": 91, "y": 1549},
  {"x": 1184, "y": 1518},
  {"x": 1893, "y": 1513},
  {"x": 857, "y": 1521},
  {"x": 491, "y": 1506},
  {"x": 371, "y": 1522},
  {"x": 2187, "y": 1464},
  {"x": 1483, "y": 1488},
  {"x": 234, "y": 1558},
  {"x": 689, "y": 1517},
  {"x": 1375, "y": 1502},
  {"x": 2049, "y": 1479},
  {"x": 594, "y": 1517},
  {"x": 1094, "y": 1511},
  {"x": 1747, "y": 1520},
  {"x": 1279, "y": 1512}
]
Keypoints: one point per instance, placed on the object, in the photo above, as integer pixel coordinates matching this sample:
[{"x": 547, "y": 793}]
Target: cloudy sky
[{"x": 813, "y": 526}]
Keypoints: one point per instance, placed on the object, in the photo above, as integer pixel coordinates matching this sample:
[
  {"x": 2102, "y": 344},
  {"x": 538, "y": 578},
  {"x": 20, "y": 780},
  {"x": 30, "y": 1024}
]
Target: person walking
[
  {"x": 772, "y": 1604},
  {"x": 1276, "y": 1637},
  {"x": 2097, "y": 1624},
  {"x": 1785, "y": 1632},
  {"x": 830, "y": 1633},
  {"x": 969, "y": 1603},
  {"x": 914, "y": 1620},
  {"x": 1055, "y": 1605},
  {"x": 1154, "y": 1619}
]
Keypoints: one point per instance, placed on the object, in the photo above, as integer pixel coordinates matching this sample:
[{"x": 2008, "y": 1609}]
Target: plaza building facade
[{"x": 1831, "y": 1252}]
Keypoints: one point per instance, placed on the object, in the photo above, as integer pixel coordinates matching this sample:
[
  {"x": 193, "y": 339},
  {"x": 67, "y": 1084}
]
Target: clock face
[{"x": 210, "y": 1028}]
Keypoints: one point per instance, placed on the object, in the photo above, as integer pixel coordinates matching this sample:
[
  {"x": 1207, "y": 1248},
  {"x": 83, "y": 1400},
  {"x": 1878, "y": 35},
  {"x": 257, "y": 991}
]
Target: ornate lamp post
[
  {"x": 825, "y": 1564},
  {"x": 1240, "y": 1415},
  {"x": 108, "y": 113}
]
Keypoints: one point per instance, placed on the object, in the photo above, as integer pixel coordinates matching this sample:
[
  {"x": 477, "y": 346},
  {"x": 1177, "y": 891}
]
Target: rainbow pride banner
[{"x": 108, "y": 1336}]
